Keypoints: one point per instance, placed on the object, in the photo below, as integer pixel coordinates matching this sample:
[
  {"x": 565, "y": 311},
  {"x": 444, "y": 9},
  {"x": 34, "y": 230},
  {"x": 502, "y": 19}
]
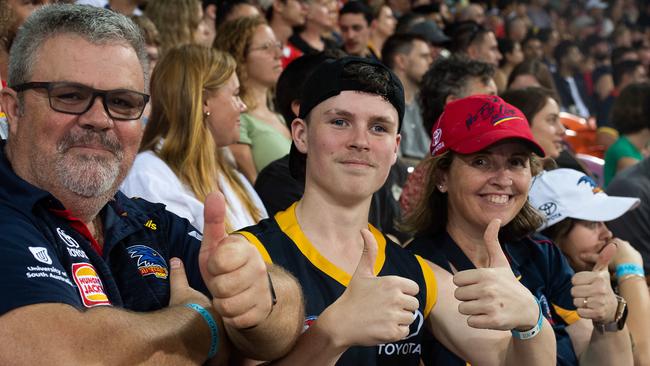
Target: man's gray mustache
[{"x": 91, "y": 138}]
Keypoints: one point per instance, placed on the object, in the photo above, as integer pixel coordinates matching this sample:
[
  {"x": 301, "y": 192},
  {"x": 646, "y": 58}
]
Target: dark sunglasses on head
[{"x": 74, "y": 98}]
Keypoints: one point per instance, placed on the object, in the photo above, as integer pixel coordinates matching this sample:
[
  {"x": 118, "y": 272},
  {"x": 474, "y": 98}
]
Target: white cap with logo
[{"x": 561, "y": 193}]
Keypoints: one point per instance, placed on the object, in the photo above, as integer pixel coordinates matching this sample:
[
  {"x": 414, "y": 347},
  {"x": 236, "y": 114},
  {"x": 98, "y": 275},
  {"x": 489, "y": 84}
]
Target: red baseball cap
[{"x": 474, "y": 123}]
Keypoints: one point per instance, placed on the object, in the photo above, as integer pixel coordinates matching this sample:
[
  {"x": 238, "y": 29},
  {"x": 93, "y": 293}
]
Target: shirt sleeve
[
  {"x": 244, "y": 130},
  {"x": 32, "y": 272}
]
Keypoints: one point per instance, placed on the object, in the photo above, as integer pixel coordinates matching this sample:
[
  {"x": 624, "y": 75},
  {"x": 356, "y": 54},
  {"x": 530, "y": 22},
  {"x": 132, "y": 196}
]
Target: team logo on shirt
[
  {"x": 418, "y": 321},
  {"x": 405, "y": 348},
  {"x": 149, "y": 261},
  {"x": 71, "y": 245},
  {"x": 89, "y": 284},
  {"x": 67, "y": 239},
  {"x": 41, "y": 254}
]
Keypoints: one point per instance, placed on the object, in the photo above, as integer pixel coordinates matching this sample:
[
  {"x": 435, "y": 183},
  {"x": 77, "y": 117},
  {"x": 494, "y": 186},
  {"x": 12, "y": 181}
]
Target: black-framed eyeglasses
[{"x": 75, "y": 98}]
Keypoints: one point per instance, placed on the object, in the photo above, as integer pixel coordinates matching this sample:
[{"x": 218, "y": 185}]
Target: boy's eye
[{"x": 379, "y": 128}]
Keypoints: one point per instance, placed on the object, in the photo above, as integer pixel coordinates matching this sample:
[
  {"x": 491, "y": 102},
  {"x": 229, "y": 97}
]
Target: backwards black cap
[{"x": 332, "y": 77}]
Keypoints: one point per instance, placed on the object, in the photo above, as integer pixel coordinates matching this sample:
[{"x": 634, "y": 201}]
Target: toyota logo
[{"x": 548, "y": 208}]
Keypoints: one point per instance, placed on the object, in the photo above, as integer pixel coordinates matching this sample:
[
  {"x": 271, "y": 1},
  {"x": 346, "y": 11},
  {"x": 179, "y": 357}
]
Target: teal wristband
[
  {"x": 535, "y": 330},
  {"x": 625, "y": 269},
  {"x": 214, "y": 330}
]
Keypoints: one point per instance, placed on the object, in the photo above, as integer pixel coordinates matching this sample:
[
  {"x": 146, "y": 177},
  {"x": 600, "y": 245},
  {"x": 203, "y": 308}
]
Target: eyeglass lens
[{"x": 72, "y": 98}]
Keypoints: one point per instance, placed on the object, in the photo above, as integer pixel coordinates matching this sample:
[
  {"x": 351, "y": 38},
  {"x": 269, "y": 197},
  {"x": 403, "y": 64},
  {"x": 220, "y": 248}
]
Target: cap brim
[
  {"x": 603, "y": 208},
  {"x": 488, "y": 139}
]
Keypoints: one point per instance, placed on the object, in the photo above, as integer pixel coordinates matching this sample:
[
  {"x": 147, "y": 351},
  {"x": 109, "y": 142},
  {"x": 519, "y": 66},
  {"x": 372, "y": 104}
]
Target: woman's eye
[
  {"x": 479, "y": 162},
  {"x": 518, "y": 162}
]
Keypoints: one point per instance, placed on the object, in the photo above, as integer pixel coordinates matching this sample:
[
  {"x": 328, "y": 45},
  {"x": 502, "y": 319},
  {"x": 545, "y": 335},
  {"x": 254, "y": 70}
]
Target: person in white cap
[{"x": 575, "y": 211}]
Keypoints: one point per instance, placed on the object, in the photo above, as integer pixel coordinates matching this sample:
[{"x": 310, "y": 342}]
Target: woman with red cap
[{"x": 478, "y": 184}]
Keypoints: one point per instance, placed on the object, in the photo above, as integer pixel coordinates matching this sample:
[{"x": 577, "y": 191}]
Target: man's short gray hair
[{"x": 98, "y": 26}]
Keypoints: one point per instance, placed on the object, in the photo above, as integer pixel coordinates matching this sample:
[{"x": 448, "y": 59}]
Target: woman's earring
[
  {"x": 442, "y": 188},
  {"x": 206, "y": 114}
]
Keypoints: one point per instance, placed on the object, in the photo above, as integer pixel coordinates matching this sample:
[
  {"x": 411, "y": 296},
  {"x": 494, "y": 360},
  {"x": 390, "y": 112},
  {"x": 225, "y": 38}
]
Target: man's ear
[
  {"x": 400, "y": 61},
  {"x": 299, "y": 134},
  {"x": 450, "y": 98},
  {"x": 398, "y": 139},
  {"x": 373, "y": 24},
  {"x": 10, "y": 105},
  {"x": 472, "y": 52},
  {"x": 278, "y": 6},
  {"x": 295, "y": 107}
]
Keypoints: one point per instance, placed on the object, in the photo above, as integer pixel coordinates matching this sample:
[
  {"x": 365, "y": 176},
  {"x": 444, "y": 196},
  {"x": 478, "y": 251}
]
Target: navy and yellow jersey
[
  {"x": 281, "y": 241},
  {"x": 536, "y": 262},
  {"x": 46, "y": 257}
]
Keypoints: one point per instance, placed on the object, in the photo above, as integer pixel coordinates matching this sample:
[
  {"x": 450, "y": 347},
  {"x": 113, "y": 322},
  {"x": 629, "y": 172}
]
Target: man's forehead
[
  {"x": 354, "y": 103},
  {"x": 70, "y": 57},
  {"x": 352, "y": 18}
]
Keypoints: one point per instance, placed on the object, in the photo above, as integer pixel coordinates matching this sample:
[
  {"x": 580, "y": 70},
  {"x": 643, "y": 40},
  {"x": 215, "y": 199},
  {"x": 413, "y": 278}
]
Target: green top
[
  {"x": 622, "y": 148},
  {"x": 267, "y": 143}
]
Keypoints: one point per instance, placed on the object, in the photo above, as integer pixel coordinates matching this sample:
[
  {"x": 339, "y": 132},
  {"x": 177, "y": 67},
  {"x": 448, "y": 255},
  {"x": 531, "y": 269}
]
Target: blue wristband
[
  {"x": 214, "y": 330},
  {"x": 625, "y": 269},
  {"x": 535, "y": 330}
]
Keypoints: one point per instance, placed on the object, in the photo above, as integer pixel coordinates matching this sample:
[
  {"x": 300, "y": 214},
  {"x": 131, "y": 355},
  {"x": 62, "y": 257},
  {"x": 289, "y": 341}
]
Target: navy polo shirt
[
  {"x": 44, "y": 259},
  {"x": 540, "y": 267}
]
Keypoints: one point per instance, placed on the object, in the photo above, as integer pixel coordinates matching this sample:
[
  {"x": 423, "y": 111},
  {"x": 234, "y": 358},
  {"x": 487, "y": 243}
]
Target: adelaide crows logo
[
  {"x": 591, "y": 182},
  {"x": 149, "y": 261}
]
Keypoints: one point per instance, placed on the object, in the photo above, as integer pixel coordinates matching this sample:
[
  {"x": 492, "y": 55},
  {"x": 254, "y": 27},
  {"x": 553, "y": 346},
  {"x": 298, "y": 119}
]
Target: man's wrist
[{"x": 212, "y": 326}]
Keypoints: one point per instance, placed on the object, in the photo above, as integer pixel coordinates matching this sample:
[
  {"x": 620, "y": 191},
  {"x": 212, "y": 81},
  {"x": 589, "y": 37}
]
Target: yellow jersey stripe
[
  {"x": 569, "y": 316},
  {"x": 432, "y": 285},
  {"x": 288, "y": 223},
  {"x": 256, "y": 242}
]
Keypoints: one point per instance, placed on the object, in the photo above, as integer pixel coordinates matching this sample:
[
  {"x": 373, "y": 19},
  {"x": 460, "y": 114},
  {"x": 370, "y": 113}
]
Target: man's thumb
[
  {"x": 177, "y": 277},
  {"x": 606, "y": 254},
  {"x": 366, "y": 264},
  {"x": 214, "y": 229},
  {"x": 491, "y": 238},
  {"x": 214, "y": 217}
]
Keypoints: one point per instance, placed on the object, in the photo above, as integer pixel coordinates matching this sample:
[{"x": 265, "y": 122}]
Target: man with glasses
[{"x": 76, "y": 254}]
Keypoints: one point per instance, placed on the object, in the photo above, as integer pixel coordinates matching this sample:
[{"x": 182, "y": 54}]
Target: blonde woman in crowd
[
  {"x": 264, "y": 135},
  {"x": 196, "y": 108},
  {"x": 178, "y": 22}
]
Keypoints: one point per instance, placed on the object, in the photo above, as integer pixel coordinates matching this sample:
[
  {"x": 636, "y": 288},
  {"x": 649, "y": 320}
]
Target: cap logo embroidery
[
  {"x": 548, "y": 208},
  {"x": 490, "y": 112},
  {"x": 437, "y": 134},
  {"x": 587, "y": 179}
]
